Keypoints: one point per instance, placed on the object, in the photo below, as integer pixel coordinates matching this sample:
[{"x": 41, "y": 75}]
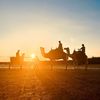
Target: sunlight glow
[{"x": 32, "y": 56}]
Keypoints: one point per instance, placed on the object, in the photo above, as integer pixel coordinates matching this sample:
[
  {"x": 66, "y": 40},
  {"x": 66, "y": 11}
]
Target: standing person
[{"x": 83, "y": 48}]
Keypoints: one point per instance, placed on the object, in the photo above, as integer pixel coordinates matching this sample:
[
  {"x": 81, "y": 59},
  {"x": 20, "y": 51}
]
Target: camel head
[
  {"x": 67, "y": 50},
  {"x": 41, "y": 48},
  {"x": 42, "y": 51}
]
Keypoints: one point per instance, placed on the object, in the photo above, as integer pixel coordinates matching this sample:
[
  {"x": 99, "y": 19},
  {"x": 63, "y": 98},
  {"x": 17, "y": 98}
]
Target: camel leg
[
  {"x": 51, "y": 61},
  {"x": 21, "y": 65},
  {"x": 75, "y": 64},
  {"x": 86, "y": 67},
  {"x": 9, "y": 66},
  {"x": 66, "y": 63},
  {"x": 86, "y": 64}
]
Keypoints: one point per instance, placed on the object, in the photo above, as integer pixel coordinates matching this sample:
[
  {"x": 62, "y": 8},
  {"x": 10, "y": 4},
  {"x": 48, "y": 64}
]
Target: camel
[
  {"x": 17, "y": 61},
  {"x": 78, "y": 57},
  {"x": 54, "y": 55}
]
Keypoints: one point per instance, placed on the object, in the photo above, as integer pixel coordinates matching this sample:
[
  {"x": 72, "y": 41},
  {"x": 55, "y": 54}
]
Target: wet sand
[{"x": 43, "y": 84}]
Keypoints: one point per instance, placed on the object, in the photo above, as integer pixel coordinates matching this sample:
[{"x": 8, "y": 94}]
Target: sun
[{"x": 32, "y": 55}]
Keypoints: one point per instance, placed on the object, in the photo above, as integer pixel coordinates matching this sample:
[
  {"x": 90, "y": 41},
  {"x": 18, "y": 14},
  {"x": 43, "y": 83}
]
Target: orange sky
[{"x": 28, "y": 25}]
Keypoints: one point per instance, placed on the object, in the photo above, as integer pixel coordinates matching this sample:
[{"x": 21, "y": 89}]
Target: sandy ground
[{"x": 43, "y": 84}]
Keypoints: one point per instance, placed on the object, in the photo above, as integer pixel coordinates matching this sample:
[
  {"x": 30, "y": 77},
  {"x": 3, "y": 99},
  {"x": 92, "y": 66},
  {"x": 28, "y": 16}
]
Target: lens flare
[{"x": 32, "y": 56}]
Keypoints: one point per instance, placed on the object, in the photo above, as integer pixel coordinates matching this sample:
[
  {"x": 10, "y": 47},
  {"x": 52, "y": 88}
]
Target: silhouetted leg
[
  {"x": 20, "y": 65},
  {"x": 86, "y": 64},
  {"x": 9, "y": 66},
  {"x": 75, "y": 64},
  {"x": 66, "y": 64},
  {"x": 85, "y": 67},
  {"x": 65, "y": 61},
  {"x": 35, "y": 66},
  {"x": 51, "y": 61}
]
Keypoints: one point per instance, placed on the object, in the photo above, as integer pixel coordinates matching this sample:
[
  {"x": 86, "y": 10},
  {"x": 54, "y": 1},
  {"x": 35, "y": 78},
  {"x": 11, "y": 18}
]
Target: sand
[{"x": 46, "y": 84}]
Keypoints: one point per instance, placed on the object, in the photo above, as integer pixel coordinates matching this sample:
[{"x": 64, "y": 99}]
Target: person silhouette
[
  {"x": 83, "y": 48},
  {"x": 60, "y": 47},
  {"x": 17, "y": 54}
]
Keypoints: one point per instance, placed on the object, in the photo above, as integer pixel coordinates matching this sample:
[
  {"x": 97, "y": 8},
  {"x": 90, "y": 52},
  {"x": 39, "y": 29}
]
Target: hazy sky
[{"x": 29, "y": 24}]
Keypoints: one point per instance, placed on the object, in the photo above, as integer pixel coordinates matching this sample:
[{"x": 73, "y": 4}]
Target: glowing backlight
[{"x": 32, "y": 56}]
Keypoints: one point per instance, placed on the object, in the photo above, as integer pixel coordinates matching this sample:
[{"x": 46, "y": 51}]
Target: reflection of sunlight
[{"x": 32, "y": 56}]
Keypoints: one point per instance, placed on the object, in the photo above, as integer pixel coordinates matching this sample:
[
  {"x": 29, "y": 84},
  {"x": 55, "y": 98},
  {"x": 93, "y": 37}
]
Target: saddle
[{"x": 56, "y": 52}]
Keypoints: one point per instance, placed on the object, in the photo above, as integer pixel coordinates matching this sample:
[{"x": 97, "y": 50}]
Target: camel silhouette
[
  {"x": 54, "y": 55},
  {"x": 17, "y": 61},
  {"x": 78, "y": 57}
]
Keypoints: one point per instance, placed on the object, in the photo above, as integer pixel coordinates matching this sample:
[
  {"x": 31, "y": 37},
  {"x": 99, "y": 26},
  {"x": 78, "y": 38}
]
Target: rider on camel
[
  {"x": 83, "y": 49},
  {"x": 17, "y": 54},
  {"x": 60, "y": 47}
]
